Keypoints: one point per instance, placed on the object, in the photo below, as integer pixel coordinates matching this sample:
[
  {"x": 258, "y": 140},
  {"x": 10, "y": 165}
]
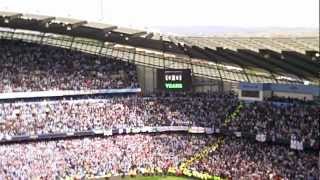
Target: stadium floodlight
[
  {"x": 6, "y": 20},
  {"x": 317, "y": 54}
]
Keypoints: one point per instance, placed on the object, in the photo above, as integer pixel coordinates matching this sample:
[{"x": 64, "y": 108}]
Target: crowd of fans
[
  {"x": 117, "y": 155},
  {"x": 119, "y": 112},
  {"x": 281, "y": 121},
  {"x": 26, "y": 67},
  {"x": 97, "y": 156},
  {"x": 278, "y": 121},
  {"x": 33, "y": 67},
  {"x": 243, "y": 159}
]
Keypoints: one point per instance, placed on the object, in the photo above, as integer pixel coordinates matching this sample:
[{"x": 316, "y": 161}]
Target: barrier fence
[
  {"x": 264, "y": 138},
  {"x": 63, "y": 93}
]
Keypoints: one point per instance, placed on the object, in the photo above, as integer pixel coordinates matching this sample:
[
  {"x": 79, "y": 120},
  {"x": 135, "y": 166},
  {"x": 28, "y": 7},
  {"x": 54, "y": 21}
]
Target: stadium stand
[
  {"x": 35, "y": 118},
  {"x": 243, "y": 159},
  {"x": 97, "y": 156},
  {"x": 279, "y": 120},
  {"x": 122, "y": 131},
  {"x": 33, "y": 67}
]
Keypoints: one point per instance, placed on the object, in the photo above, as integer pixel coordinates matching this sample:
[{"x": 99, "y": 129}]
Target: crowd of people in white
[
  {"x": 243, "y": 159},
  {"x": 28, "y": 67},
  {"x": 120, "y": 112},
  {"x": 237, "y": 158},
  {"x": 274, "y": 120},
  {"x": 117, "y": 155},
  {"x": 96, "y": 156},
  {"x": 282, "y": 121}
]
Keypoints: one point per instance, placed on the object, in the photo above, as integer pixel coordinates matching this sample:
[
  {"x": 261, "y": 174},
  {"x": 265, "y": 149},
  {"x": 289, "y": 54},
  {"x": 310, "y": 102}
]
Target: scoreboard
[{"x": 174, "y": 79}]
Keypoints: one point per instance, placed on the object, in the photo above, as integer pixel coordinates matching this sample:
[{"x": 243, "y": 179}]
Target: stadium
[{"x": 87, "y": 100}]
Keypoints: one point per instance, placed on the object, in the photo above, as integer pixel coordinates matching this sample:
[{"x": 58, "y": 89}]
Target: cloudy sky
[{"x": 150, "y": 13}]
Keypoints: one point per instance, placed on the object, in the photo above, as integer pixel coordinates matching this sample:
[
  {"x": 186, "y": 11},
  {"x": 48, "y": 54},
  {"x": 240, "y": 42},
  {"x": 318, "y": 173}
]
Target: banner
[
  {"x": 297, "y": 145},
  {"x": 196, "y": 130},
  {"x": 237, "y": 134},
  {"x": 107, "y": 132},
  {"x": 261, "y": 137},
  {"x": 148, "y": 129},
  {"x": 171, "y": 128},
  {"x": 294, "y": 143},
  {"x": 98, "y": 131},
  {"x": 209, "y": 130},
  {"x": 59, "y": 93}
]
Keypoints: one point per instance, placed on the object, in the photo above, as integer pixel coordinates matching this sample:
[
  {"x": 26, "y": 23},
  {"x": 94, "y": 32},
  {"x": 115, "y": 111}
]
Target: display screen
[
  {"x": 254, "y": 94},
  {"x": 174, "y": 79}
]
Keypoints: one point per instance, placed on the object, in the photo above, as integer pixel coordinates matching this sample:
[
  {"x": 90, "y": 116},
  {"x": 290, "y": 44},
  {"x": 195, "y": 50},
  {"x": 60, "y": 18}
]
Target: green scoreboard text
[{"x": 174, "y": 79}]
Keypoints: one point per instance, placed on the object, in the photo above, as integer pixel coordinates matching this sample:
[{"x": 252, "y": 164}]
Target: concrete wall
[
  {"x": 147, "y": 78},
  {"x": 203, "y": 84},
  {"x": 231, "y": 86},
  {"x": 267, "y": 94}
]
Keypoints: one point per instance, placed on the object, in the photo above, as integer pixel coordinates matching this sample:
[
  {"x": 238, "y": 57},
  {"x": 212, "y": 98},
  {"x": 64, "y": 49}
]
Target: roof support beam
[
  {"x": 149, "y": 36},
  {"x": 10, "y": 15}
]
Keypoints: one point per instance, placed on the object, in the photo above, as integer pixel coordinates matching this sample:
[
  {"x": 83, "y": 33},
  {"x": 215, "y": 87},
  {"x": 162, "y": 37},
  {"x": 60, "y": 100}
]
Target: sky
[{"x": 151, "y": 13}]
